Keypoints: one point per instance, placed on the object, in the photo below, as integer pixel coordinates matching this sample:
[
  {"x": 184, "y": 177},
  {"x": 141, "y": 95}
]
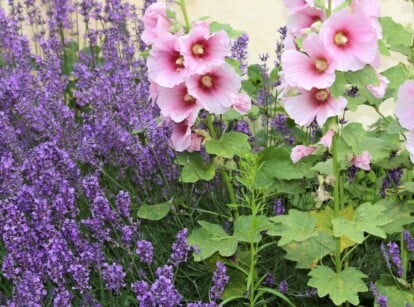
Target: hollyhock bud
[
  {"x": 242, "y": 103},
  {"x": 379, "y": 90},
  {"x": 156, "y": 23},
  {"x": 301, "y": 151},
  {"x": 326, "y": 140},
  {"x": 362, "y": 161}
]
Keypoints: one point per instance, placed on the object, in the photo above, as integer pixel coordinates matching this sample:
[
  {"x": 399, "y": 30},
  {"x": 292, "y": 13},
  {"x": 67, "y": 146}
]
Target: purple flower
[
  {"x": 409, "y": 240},
  {"x": 394, "y": 252},
  {"x": 143, "y": 294},
  {"x": 163, "y": 290},
  {"x": 219, "y": 282},
  {"x": 278, "y": 207},
  {"x": 113, "y": 276},
  {"x": 180, "y": 248},
  {"x": 283, "y": 286},
  {"x": 382, "y": 301},
  {"x": 239, "y": 51},
  {"x": 145, "y": 251},
  {"x": 269, "y": 280}
]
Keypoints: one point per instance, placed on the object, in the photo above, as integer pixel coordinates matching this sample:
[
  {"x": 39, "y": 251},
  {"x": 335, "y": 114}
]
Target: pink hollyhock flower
[
  {"x": 410, "y": 145},
  {"x": 156, "y": 22},
  {"x": 326, "y": 140},
  {"x": 297, "y": 5},
  {"x": 165, "y": 64},
  {"x": 202, "y": 50},
  {"x": 316, "y": 103},
  {"x": 195, "y": 144},
  {"x": 379, "y": 90},
  {"x": 304, "y": 19},
  {"x": 370, "y": 8},
  {"x": 181, "y": 135},
  {"x": 317, "y": 69},
  {"x": 362, "y": 161},
  {"x": 242, "y": 103},
  {"x": 215, "y": 88},
  {"x": 351, "y": 39},
  {"x": 176, "y": 104},
  {"x": 154, "y": 90},
  {"x": 404, "y": 105},
  {"x": 301, "y": 151}
]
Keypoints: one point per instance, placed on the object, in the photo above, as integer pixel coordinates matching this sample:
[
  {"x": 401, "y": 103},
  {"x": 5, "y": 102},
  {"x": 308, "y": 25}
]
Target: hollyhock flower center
[
  {"x": 341, "y": 39},
  {"x": 189, "y": 100},
  {"x": 321, "y": 65},
  {"x": 207, "y": 81},
  {"x": 179, "y": 62},
  {"x": 198, "y": 49},
  {"x": 320, "y": 96}
]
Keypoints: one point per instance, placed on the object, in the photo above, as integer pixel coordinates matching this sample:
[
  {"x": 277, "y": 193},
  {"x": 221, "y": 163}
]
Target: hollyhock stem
[
  {"x": 329, "y": 11},
  {"x": 338, "y": 264},
  {"x": 404, "y": 257},
  {"x": 185, "y": 15}
]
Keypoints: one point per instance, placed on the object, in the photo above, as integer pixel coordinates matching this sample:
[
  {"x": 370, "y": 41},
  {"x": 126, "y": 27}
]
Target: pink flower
[
  {"x": 297, "y": 5},
  {"x": 316, "y": 103},
  {"x": 196, "y": 141},
  {"x": 181, "y": 135},
  {"x": 202, "y": 50},
  {"x": 177, "y": 104},
  {"x": 317, "y": 69},
  {"x": 303, "y": 19},
  {"x": 379, "y": 90},
  {"x": 215, "y": 88},
  {"x": 154, "y": 90},
  {"x": 156, "y": 22},
  {"x": 362, "y": 161},
  {"x": 404, "y": 105},
  {"x": 326, "y": 140},
  {"x": 165, "y": 64},
  {"x": 242, "y": 103},
  {"x": 351, "y": 39},
  {"x": 301, "y": 151},
  {"x": 370, "y": 8},
  {"x": 410, "y": 145}
]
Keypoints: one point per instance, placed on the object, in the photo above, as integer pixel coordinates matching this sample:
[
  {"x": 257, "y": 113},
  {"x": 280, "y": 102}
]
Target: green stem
[
  {"x": 329, "y": 10},
  {"x": 338, "y": 264},
  {"x": 404, "y": 258},
  {"x": 185, "y": 14}
]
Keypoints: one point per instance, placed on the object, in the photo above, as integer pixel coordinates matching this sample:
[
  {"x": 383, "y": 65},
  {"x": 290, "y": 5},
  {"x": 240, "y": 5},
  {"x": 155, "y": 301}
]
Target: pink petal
[
  {"x": 379, "y": 90},
  {"x": 156, "y": 22},
  {"x": 196, "y": 141},
  {"x": 304, "y": 19},
  {"x": 300, "y": 151},
  {"x": 326, "y": 140},
  {"x": 370, "y": 8},
  {"x": 181, "y": 135},
  {"x": 242, "y": 103},
  {"x": 362, "y": 161},
  {"x": 410, "y": 145},
  {"x": 404, "y": 105}
]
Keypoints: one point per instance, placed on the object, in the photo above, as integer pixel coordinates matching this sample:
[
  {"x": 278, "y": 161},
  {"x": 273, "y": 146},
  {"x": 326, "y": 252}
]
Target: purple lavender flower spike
[
  {"x": 409, "y": 240},
  {"x": 113, "y": 276},
  {"x": 180, "y": 248},
  {"x": 219, "y": 282},
  {"x": 145, "y": 251}
]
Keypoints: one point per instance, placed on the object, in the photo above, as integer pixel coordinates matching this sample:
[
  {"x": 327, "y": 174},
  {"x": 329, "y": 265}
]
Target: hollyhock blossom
[
  {"x": 297, "y": 5},
  {"x": 303, "y": 19},
  {"x": 404, "y": 105},
  {"x": 196, "y": 141},
  {"x": 176, "y": 104},
  {"x": 351, "y": 39},
  {"x": 242, "y": 103},
  {"x": 314, "y": 104},
  {"x": 379, "y": 90},
  {"x": 410, "y": 145},
  {"x": 301, "y": 151},
  {"x": 370, "y": 8},
  {"x": 202, "y": 50},
  {"x": 165, "y": 63},
  {"x": 156, "y": 22},
  {"x": 215, "y": 88},
  {"x": 181, "y": 135},
  {"x": 316, "y": 69},
  {"x": 362, "y": 161},
  {"x": 326, "y": 140}
]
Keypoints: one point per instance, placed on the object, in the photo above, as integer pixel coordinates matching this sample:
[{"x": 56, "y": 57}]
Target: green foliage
[
  {"x": 341, "y": 287},
  {"x": 396, "y": 294},
  {"x": 229, "y": 145},
  {"x": 195, "y": 168},
  {"x": 400, "y": 214},
  {"x": 396, "y": 75},
  {"x": 394, "y": 33},
  {"x": 217, "y": 26},
  {"x": 154, "y": 212},
  {"x": 367, "y": 218},
  {"x": 296, "y": 226},
  {"x": 248, "y": 228}
]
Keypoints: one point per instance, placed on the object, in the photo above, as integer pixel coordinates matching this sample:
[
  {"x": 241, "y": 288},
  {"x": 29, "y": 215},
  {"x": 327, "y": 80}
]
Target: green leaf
[
  {"x": 195, "y": 168},
  {"x": 276, "y": 163},
  {"x": 154, "y": 212},
  {"x": 396, "y": 75},
  {"x": 400, "y": 213},
  {"x": 171, "y": 14},
  {"x": 324, "y": 167},
  {"x": 363, "y": 77},
  {"x": 368, "y": 218},
  {"x": 235, "y": 64},
  {"x": 338, "y": 88},
  {"x": 380, "y": 147},
  {"x": 396, "y": 296},
  {"x": 394, "y": 33},
  {"x": 246, "y": 232},
  {"x": 309, "y": 252},
  {"x": 295, "y": 226},
  {"x": 217, "y": 26},
  {"x": 342, "y": 287},
  {"x": 229, "y": 145},
  {"x": 352, "y": 134},
  {"x": 212, "y": 238}
]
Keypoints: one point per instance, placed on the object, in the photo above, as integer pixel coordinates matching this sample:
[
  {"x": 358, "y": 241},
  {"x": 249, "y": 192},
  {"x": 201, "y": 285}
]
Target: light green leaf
[
  {"x": 246, "y": 232},
  {"x": 195, "y": 168},
  {"x": 394, "y": 33},
  {"x": 396, "y": 75},
  {"x": 380, "y": 148},
  {"x": 154, "y": 212},
  {"x": 309, "y": 252},
  {"x": 363, "y": 77},
  {"x": 295, "y": 226},
  {"x": 342, "y": 287},
  {"x": 368, "y": 218},
  {"x": 276, "y": 163},
  {"x": 400, "y": 213},
  {"x": 352, "y": 134},
  {"x": 229, "y": 145},
  {"x": 217, "y": 26},
  {"x": 338, "y": 88},
  {"x": 324, "y": 167},
  {"x": 235, "y": 64},
  {"x": 212, "y": 238}
]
